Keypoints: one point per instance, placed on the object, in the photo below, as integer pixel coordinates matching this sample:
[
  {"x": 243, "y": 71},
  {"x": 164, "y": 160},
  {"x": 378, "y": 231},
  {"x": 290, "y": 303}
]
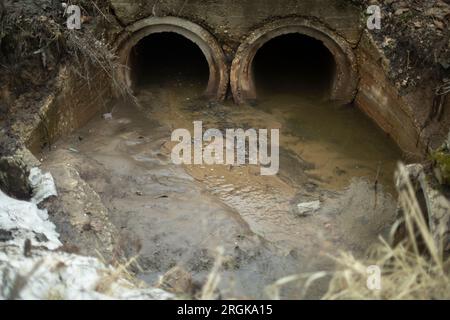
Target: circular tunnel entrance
[
  {"x": 168, "y": 60},
  {"x": 151, "y": 49},
  {"x": 294, "y": 54},
  {"x": 294, "y": 64}
]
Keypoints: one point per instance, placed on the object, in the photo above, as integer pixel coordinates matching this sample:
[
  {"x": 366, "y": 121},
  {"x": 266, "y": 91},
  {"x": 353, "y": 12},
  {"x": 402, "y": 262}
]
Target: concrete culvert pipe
[
  {"x": 154, "y": 46},
  {"x": 165, "y": 59},
  {"x": 275, "y": 53},
  {"x": 294, "y": 63}
]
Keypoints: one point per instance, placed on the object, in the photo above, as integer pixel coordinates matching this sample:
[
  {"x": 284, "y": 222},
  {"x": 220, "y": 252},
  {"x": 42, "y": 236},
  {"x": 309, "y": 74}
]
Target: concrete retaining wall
[
  {"x": 231, "y": 22},
  {"x": 380, "y": 100},
  {"x": 71, "y": 107}
]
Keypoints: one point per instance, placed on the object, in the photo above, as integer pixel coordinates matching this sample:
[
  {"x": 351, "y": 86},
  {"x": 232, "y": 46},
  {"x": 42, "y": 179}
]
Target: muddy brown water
[{"x": 178, "y": 215}]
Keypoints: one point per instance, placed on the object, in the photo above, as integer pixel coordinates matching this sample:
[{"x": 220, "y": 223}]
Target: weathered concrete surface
[
  {"x": 74, "y": 103},
  {"x": 233, "y": 23},
  {"x": 345, "y": 80},
  {"x": 379, "y": 99},
  {"x": 218, "y": 69},
  {"x": 231, "y": 20}
]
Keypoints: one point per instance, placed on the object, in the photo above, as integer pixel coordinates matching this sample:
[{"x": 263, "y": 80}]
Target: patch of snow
[
  {"x": 45, "y": 274},
  {"x": 58, "y": 275},
  {"x": 42, "y": 184},
  {"x": 26, "y": 221}
]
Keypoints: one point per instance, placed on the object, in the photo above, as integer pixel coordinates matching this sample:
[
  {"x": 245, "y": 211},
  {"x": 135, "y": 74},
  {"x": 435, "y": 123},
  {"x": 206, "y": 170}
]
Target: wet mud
[{"x": 171, "y": 215}]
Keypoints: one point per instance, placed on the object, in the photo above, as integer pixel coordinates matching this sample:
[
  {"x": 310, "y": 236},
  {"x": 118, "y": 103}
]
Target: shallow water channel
[{"x": 178, "y": 215}]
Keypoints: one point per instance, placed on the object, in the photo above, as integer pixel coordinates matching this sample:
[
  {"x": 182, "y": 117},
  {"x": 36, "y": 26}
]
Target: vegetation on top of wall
[
  {"x": 441, "y": 159},
  {"x": 35, "y": 43},
  {"x": 415, "y": 36}
]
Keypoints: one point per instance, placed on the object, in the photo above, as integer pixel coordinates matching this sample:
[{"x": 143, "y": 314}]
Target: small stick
[{"x": 376, "y": 184}]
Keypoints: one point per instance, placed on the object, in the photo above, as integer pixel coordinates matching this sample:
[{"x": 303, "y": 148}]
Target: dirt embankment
[
  {"x": 34, "y": 44},
  {"x": 415, "y": 39}
]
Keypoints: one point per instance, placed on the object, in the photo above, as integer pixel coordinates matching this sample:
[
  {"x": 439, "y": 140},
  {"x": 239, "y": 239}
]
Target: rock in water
[
  {"x": 177, "y": 280},
  {"x": 308, "y": 208}
]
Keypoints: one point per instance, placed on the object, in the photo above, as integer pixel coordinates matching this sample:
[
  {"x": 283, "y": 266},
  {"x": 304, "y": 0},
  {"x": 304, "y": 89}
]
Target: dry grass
[
  {"x": 410, "y": 270},
  {"x": 87, "y": 50},
  {"x": 443, "y": 89},
  {"x": 209, "y": 290},
  {"x": 38, "y": 41},
  {"x": 120, "y": 271},
  {"x": 407, "y": 271}
]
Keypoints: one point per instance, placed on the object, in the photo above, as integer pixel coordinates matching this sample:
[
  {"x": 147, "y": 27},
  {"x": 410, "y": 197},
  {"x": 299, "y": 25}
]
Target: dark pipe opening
[
  {"x": 168, "y": 60},
  {"x": 294, "y": 63}
]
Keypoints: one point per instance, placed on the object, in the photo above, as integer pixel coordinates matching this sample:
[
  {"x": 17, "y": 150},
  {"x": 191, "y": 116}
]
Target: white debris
[
  {"x": 58, "y": 275},
  {"x": 107, "y": 116},
  {"x": 45, "y": 274},
  {"x": 24, "y": 220},
  {"x": 42, "y": 184},
  {"x": 307, "y": 208}
]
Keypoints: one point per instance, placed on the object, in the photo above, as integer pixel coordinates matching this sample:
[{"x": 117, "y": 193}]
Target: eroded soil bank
[{"x": 172, "y": 215}]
